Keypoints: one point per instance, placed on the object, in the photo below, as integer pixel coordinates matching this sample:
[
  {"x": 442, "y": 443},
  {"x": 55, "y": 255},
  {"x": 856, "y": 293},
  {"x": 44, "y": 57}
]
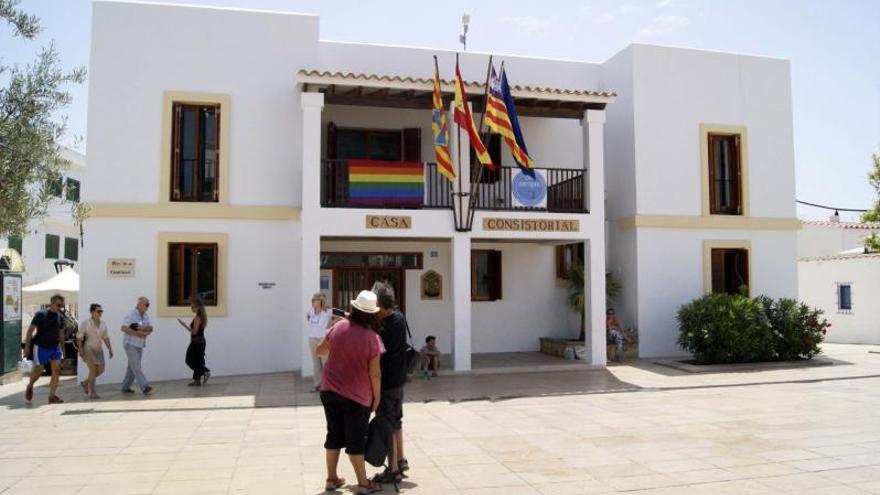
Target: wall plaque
[
  {"x": 120, "y": 267},
  {"x": 531, "y": 225},
  {"x": 432, "y": 286},
  {"x": 389, "y": 222}
]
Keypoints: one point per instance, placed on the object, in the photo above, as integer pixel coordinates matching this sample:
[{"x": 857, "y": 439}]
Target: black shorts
[
  {"x": 346, "y": 423},
  {"x": 391, "y": 407}
]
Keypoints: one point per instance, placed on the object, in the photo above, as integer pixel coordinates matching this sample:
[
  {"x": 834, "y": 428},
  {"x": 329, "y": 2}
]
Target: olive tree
[{"x": 30, "y": 129}]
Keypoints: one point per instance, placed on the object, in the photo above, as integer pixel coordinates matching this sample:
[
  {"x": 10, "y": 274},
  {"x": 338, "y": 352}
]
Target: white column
[
  {"x": 594, "y": 311},
  {"x": 461, "y": 301},
  {"x": 310, "y": 245},
  {"x": 593, "y": 126},
  {"x": 462, "y": 169}
]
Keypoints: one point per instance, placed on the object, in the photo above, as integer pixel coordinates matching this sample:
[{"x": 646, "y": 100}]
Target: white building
[
  {"x": 836, "y": 275},
  {"x": 54, "y": 237},
  {"x": 256, "y": 213}
]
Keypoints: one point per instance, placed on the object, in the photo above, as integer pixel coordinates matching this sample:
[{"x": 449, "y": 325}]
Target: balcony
[{"x": 428, "y": 189}]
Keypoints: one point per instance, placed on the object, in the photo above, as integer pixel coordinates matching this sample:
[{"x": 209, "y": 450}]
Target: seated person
[
  {"x": 430, "y": 357},
  {"x": 616, "y": 335}
]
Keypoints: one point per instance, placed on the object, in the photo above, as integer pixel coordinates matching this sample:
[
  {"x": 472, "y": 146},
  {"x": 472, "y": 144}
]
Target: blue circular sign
[{"x": 529, "y": 191}]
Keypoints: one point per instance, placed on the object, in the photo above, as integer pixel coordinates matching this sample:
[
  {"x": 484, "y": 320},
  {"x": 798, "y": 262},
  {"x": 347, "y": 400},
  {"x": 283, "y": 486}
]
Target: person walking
[
  {"x": 195, "y": 353},
  {"x": 350, "y": 389},
  {"x": 136, "y": 327},
  {"x": 318, "y": 321},
  {"x": 90, "y": 340},
  {"x": 47, "y": 345},
  {"x": 394, "y": 368}
]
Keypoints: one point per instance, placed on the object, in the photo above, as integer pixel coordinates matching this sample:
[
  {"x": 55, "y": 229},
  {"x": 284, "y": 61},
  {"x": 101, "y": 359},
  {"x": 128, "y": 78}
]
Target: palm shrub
[{"x": 725, "y": 328}]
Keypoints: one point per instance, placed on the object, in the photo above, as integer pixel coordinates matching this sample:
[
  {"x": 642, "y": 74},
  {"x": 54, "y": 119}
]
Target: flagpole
[
  {"x": 472, "y": 201},
  {"x": 458, "y": 152}
]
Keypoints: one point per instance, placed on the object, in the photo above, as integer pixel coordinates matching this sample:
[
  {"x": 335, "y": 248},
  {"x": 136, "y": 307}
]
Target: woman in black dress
[{"x": 195, "y": 353}]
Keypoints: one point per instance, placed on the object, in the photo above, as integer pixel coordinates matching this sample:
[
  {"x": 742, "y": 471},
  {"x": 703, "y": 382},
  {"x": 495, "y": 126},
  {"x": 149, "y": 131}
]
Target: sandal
[
  {"x": 333, "y": 485},
  {"x": 388, "y": 476},
  {"x": 403, "y": 466},
  {"x": 370, "y": 487}
]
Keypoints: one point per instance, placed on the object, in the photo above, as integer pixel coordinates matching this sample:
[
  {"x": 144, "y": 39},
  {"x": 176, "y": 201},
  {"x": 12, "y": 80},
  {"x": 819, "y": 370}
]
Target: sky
[{"x": 833, "y": 46}]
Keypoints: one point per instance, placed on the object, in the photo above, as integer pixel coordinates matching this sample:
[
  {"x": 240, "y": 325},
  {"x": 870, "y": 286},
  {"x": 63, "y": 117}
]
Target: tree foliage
[
  {"x": 30, "y": 97},
  {"x": 873, "y": 215}
]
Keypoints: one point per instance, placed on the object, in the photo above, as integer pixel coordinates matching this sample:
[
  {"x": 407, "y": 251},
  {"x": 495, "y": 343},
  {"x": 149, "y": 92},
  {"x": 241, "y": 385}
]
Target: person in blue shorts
[{"x": 47, "y": 345}]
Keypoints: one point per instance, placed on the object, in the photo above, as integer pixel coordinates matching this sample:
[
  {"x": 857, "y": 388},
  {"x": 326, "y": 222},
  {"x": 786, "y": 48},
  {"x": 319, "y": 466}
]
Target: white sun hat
[{"x": 366, "y": 302}]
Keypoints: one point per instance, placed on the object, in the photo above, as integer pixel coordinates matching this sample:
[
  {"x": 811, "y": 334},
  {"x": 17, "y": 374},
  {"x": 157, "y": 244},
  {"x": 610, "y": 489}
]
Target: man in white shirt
[{"x": 136, "y": 327}]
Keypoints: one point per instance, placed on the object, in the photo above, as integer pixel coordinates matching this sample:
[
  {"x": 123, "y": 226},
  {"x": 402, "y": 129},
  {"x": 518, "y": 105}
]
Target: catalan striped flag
[
  {"x": 440, "y": 130},
  {"x": 385, "y": 183},
  {"x": 502, "y": 119},
  {"x": 464, "y": 119}
]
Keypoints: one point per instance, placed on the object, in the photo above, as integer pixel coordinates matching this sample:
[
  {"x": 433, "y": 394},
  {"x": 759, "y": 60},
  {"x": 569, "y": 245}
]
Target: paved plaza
[{"x": 636, "y": 428}]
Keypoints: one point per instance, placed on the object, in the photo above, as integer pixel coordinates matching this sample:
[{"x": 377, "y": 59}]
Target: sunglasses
[{"x": 99, "y": 311}]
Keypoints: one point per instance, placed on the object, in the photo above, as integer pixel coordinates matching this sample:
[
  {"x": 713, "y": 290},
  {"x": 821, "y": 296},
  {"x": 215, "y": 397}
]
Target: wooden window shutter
[
  {"x": 560, "y": 262},
  {"x": 217, "y": 177},
  {"x": 495, "y": 270},
  {"x": 717, "y": 271},
  {"x": 742, "y": 267},
  {"x": 737, "y": 160},
  {"x": 175, "y": 152},
  {"x": 713, "y": 208},
  {"x": 412, "y": 144}
]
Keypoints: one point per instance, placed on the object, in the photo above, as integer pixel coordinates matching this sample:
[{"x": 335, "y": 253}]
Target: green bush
[
  {"x": 724, "y": 328},
  {"x": 797, "y": 329}
]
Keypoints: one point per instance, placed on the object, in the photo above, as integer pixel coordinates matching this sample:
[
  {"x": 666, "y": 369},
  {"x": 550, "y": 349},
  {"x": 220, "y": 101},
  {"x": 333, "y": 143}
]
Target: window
[
  {"x": 374, "y": 144},
  {"x": 567, "y": 256},
  {"x": 844, "y": 298},
  {"x": 195, "y": 153},
  {"x": 52, "y": 246},
  {"x": 493, "y": 145},
  {"x": 485, "y": 275},
  {"x": 55, "y": 186},
  {"x": 192, "y": 270},
  {"x": 71, "y": 248},
  {"x": 16, "y": 243},
  {"x": 730, "y": 270},
  {"x": 72, "y": 190},
  {"x": 725, "y": 174}
]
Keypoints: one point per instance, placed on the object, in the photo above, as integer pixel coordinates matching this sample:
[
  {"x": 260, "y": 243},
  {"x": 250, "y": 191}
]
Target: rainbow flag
[{"x": 386, "y": 184}]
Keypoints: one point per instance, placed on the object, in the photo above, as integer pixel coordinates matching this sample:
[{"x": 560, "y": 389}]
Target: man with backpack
[
  {"x": 47, "y": 345},
  {"x": 393, "y": 363}
]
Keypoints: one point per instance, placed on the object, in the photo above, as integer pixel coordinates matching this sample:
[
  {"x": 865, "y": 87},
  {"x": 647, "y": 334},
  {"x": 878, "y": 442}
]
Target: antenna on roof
[{"x": 462, "y": 38}]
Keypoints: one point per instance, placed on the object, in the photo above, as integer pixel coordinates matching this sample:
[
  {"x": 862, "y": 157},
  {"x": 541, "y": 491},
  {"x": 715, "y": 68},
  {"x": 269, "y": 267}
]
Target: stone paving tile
[{"x": 660, "y": 432}]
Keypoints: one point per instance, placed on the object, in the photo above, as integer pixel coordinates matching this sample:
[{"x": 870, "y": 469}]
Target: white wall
[
  {"x": 818, "y": 288},
  {"x": 140, "y": 50},
  {"x": 675, "y": 90},
  {"x": 260, "y": 332},
  {"x": 671, "y": 274},
  {"x": 533, "y": 303},
  {"x": 824, "y": 240}
]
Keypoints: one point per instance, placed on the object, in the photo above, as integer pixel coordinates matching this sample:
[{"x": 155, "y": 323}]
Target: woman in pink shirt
[{"x": 350, "y": 388}]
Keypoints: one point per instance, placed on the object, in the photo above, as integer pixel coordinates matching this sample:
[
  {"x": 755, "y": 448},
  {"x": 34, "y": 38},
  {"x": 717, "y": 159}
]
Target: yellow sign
[
  {"x": 531, "y": 225},
  {"x": 120, "y": 267},
  {"x": 389, "y": 222}
]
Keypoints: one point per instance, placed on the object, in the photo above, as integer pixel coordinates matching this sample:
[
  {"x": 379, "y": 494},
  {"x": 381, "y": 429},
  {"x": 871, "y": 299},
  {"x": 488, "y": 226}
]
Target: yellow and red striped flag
[
  {"x": 464, "y": 119},
  {"x": 502, "y": 119},
  {"x": 440, "y": 130}
]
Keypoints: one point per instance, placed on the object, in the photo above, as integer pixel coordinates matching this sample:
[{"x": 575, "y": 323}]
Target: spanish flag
[
  {"x": 440, "y": 130},
  {"x": 464, "y": 119},
  {"x": 502, "y": 119}
]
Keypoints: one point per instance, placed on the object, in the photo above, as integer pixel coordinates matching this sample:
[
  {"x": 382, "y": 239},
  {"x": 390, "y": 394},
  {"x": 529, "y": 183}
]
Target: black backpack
[{"x": 379, "y": 438}]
